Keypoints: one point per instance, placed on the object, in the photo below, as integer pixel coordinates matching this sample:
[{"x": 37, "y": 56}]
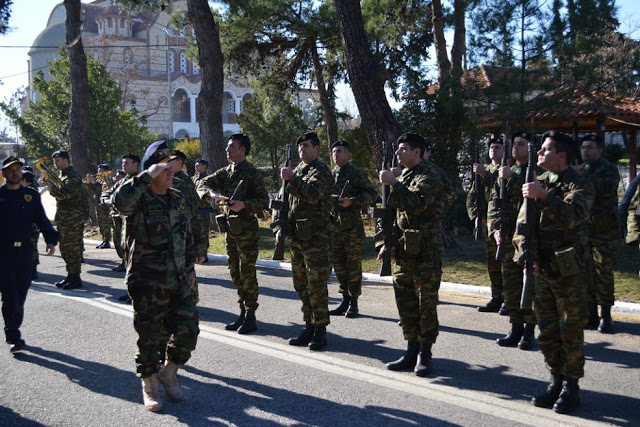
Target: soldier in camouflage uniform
[
  {"x": 417, "y": 197},
  {"x": 603, "y": 236},
  {"x": 488, "y": 177},
  {"x": 563, "y": 200},
  {"x": 240, "y": 188},
  {"x": 96, "y": 185},
  {"x": 130, "y": 165},
  {"x": 631, "y": 209},
  {"x": 352, "y": 191},
  {"x": 523, "y": 321},
  {"x": 72, "y": 211},
  {"x": 160, "y": 257},
  {"x": 204, "y": 208},
  {"x": 309, "y": 187}
]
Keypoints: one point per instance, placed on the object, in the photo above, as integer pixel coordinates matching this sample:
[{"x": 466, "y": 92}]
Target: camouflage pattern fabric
[
  {"x": 160, "y": 254},
  {"x": 116, "y": 218},
  {"x": 182, "y": 182},
  {"x": 347, "y": 244},
  {"x": 604, "y": 223},
  {"x": 309, "y": 216},
  {"x": 417, "y": 242},
  {"x": 633, "y": 220},
  {"x": 243, "y": 233},
  {"x": 562, "y": 254},
  {"x": 72, "y": 211},
  {"x": 102, "y": 211},
  {"x": 206, "y": 226}
]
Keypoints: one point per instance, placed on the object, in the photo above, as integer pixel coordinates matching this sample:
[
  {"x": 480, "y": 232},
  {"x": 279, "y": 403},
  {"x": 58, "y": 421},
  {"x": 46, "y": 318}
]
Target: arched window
[
  {"x": 183, "y": 62},
  {"x": 110, "y": 22},
  {"x": 128, "y": 57},
  {"x": 182, "y": 32},
  {"x": 172, "y": 62},
  {"x": 121, "y": 22},
  {"x": 181, "y": 106},
  {"x": 195, "y": 68}
]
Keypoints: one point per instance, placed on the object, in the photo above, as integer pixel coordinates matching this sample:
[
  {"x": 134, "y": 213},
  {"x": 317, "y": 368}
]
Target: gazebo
[{"x": 575, "y": 111}]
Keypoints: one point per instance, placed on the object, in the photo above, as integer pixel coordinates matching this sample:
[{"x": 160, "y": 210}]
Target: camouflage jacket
[
  {"x": 359, "y": 189},
  {"x": 251, "y": 191},
  {"x": 183, "y": 183},
  {"x": 156, "y": 229},
  {"x": 71, "y": 198},
  {"x": 449, "y": 191},
  {"x": 563, "y": 218},
  {"x": 196, "y": 179},
  {"x": 108, "y": 193},
  {"x": 604, "y": 221},
  {"x": 417, "y": 199},
  {"x": 487, "y": 181},
  {"x": 633, "y": 218},
  {"x": 310, "y": 194}
]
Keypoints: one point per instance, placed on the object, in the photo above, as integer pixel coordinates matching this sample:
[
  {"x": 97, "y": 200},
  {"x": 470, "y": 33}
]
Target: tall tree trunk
[
  {"x": 210, "y": 98},
  {"x": 440, "y": 43},
  {"x": 327, "y": 106},
  {"x": 79, "y": 111},
  {"x": 367, "y": 78}
]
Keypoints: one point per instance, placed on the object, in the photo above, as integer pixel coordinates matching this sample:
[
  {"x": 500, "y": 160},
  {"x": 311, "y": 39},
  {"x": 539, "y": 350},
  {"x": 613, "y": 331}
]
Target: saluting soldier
[
  {"x": 489, "y": 177},
  {"x": 603, "y": 235},
  {"x": 20, "y": 209},
  {"x": 563, "y": 200},
  {"x": 352, "y": 191},
  {"x": 309, "y": 187},
  {"x": 240, "y": 189},
  {"x": 160, "y": 257},
  {"x": 72, "y": 210},
  {"x": 417, "y": 198}
]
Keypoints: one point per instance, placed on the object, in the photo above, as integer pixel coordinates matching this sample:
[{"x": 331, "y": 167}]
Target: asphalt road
[{"x": 79, "y": 365}]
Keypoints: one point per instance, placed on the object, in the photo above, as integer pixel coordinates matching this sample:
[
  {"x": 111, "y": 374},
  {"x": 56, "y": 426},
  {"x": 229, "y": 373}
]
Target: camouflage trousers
[
  {"x": 71, "y": 245},
  {"x": 116, "y": 223},
  {"x": 311, "y": 268},
  {"x": 560, "y": 306},
  {"x": 512, "y": 280},
  {"x": 347, "y": 259},
  {"x": 601, "y": 291},
  {"x": 162, "y": 307},
  {"x": 242, "y": 250},
  {"x": 494, "y": 268},
  {"x": 104, "y": 222},
  {"x": 416, "y": 282}
]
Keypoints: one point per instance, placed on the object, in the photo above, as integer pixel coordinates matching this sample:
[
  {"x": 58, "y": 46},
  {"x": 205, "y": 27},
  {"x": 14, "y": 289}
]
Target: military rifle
[
  {"x": 282, "y": 207},
  {"x": 527, "y": 230},
  {"x": 481, "y": 207},
  {"x": 386, "y": 214},
  {"x": 501, "y": 201}
]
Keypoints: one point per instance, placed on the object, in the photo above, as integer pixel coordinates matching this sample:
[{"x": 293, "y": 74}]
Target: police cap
[
  {"x": 61, "y": 153},
  {"x": 202, "y": 162},
  {"x": 9, "y": 161}
]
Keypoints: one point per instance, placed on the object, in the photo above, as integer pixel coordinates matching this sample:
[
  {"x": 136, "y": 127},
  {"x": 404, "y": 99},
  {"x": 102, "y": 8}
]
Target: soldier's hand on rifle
[
  {"x": 278, "y": 236},
  {"x": 536, "y": 269},
  {"x": 397, "y": 171},
  {"x": 386, "y": 177},
  {"x": 286, "y": 173},
  {"x": 478, "y": 169},
  {"x": 534, "y": 190},
  {"x": 218, "y": 197},
  {"x": 497, "y": 236},
  {"x": 345, "y": 202},
  {"x": 236, "y": 205},
  {"x": 505, "y": 172},
  {"x": 381, "y": 253}
]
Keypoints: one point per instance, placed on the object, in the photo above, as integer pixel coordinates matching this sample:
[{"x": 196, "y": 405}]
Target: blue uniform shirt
[{"x": 19, "y": 209}]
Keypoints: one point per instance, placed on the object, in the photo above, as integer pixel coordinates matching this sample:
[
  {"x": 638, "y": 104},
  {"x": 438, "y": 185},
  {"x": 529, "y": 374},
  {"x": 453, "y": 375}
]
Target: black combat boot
[
  {"x": 528, "y": 339},
  {"x": 513, "y": 337},
  {"x": 549, "y": 397},
  {"x": 342, "y": 308},
  {"x": 605, "y": 319},
  {"x": 353, "y": 309},
  {"x": 503, "y": 310},
  {"x": 408, "y": 360},
  {"x": 305, "y": 336},
  {"x": 593, "y": 320},
  {"x": 63, "y": 281},
  {"x": 74, "y": 282},
  {"x": 238, "y": 322},
  {"x": 492, "y": 306},
  {"x": 249, "y": 323},
  {"x": 319, "y": 339},
  {"x": 424, "y": 365},
  {"x": 569, "y": 398}
]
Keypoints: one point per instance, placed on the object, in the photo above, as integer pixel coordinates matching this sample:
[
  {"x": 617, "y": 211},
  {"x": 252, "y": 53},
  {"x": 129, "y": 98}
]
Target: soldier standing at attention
[
  {"x": 20, "y": 209},
  {"x": 489, "y": 176},
  {"x": 309, "y": 186},
  {"x": 352, "y": 191},
  {"x": 523, "y": 321},
  {"x": 160, "y": 257},
  {"x": 240, "y": 188},
  {"x": 204, "y": 208},
  {"x": 72, "y": 211},
  {"x": 563, "y": 201},
  {"x": 603, "y": 236},
  {"x": 96, "y": 185},
  {"x": 417, "y": 200}
]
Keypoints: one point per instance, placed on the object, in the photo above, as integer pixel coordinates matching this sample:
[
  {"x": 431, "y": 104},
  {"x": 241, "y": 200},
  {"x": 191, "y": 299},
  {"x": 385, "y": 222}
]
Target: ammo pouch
[
  {"x": 412, "y": 241},
  {"x": 236, "y": 224},
  {"x": 305, "y": 229},
  {"x": 223, "y": 225},
  {"x": 567, "y": 261}
]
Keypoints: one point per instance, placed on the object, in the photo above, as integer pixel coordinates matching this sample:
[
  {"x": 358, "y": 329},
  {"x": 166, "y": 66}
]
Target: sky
[{"x": 29, "y": 18}]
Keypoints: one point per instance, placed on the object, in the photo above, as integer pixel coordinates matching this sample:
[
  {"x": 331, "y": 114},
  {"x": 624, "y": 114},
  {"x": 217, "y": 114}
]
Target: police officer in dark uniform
[{"x": 20, "y": 208}]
